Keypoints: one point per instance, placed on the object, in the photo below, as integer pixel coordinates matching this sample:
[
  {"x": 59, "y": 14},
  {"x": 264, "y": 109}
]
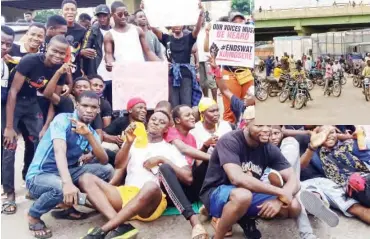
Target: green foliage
[
  {"x": 244, "y": 6},
  {"x": 42, "y": 15}
]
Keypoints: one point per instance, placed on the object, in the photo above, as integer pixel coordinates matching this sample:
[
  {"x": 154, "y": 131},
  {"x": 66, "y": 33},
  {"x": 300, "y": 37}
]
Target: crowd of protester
[{"x": 56, "y": 91}]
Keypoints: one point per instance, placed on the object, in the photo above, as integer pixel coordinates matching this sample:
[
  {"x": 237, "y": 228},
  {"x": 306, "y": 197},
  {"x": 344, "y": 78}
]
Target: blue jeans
[{"x": 48, "y": 189}]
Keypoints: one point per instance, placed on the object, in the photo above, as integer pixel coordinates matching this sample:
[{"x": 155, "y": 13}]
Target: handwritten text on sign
[
  {"x": 130, "y": 80},
  {"x": 233, "y": 44}
]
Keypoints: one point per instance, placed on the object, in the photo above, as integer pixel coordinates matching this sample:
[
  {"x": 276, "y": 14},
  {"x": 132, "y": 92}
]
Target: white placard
[
  {"x": 233, "y": 44},
  {"x": 166, "y": 13}
]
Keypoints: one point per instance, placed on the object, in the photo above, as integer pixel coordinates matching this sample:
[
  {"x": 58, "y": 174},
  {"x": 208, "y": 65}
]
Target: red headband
[{"x": 134, "y": 101}]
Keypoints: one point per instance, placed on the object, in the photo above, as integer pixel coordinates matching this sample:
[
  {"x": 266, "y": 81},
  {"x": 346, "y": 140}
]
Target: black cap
[
  {"x": 233, "y": 15},
  {"x": 102, "y": 8}
]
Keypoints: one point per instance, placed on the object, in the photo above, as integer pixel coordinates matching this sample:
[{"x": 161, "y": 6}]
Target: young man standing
[
  {"x": 232, "y": 190},
  {"x": 152, "y": 40},
  {"x": 132, "y": 44},
  {"x": 28, "y": 17},
  {"x": 7, "y": 39},
  {"x": 56, "y": 25},
  {"x": 55, "y": 173},
  {"x": 141, "y": 197},
  {"x": 184, "y": 87},
  {"x": 84, "y": 20},
  {"x": 33, "y": 73},
  {"x": 75, "y": 35},
  {"x": 94, "y": 39}
]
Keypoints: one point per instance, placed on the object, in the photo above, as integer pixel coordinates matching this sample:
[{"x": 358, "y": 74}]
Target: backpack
[{"x": 358, "y": 187}]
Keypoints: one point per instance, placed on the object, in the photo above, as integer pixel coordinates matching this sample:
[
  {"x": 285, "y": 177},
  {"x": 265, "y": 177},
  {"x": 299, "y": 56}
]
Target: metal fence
[{"x": 340, "y": 43}]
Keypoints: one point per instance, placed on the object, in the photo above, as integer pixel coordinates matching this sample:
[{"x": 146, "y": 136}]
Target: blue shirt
[{"x": 60, "y": 128}]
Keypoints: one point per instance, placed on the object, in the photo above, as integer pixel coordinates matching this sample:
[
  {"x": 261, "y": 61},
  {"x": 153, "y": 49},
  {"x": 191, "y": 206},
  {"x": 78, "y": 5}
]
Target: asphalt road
[
  {"x": 349, "y": 108},
  {"x": 167, "y": 227}
]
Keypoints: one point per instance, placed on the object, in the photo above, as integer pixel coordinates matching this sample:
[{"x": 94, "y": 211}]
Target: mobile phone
[{"x": 81, "y": 198}]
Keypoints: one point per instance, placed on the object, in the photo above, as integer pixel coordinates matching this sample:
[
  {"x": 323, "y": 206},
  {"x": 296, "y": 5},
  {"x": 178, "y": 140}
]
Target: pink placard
[{"x": 148, "y": 80}]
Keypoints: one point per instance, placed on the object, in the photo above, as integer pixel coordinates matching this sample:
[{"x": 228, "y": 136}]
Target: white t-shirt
[
  {"x": 102, "y": 71},
  {"x": 137, "y": 175},
  {"x": 201, "y": 135}
]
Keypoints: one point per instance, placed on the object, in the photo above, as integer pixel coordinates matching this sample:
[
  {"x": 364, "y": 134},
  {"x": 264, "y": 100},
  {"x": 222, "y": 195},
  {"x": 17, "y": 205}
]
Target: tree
[
  {"x": 243, "y": 6},
  {"x": 42, "y": 15}
]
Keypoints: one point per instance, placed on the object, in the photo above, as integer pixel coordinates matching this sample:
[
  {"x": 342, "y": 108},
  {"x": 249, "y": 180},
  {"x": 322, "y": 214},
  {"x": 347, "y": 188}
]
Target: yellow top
[
  {"x": 297, "y": 73},
  {"x": 366, "y": 71},
  {"x": 277, "y": 72}
]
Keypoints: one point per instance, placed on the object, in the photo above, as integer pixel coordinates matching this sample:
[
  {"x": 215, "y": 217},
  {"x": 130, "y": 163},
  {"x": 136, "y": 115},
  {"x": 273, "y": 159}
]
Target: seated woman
[{"x": 210, "y": 127}]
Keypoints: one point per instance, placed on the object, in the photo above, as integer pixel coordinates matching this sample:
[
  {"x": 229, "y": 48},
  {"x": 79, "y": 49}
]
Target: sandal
[
  {"x": 40, "y": 227},
  {"x": 8, "y": 204},
  {"x": 199, "y": 232},
  {"x": 124, "y": 231},
  {"x": 69, "y": 214},
  {"x": 214, "y": 223}
]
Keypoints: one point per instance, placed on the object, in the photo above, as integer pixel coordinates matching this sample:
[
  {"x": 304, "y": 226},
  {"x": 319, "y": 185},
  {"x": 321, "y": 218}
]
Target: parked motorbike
[
  {"x": 366, "y": 88},
  {"x": 316, "y": 76},
  {"x": 288, "y": 91},
  {"x": 334, "y": 86},
  {"x": 260, "y": 92}
]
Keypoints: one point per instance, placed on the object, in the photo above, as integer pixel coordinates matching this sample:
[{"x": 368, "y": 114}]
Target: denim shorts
[{"x": 220, "y": 196}]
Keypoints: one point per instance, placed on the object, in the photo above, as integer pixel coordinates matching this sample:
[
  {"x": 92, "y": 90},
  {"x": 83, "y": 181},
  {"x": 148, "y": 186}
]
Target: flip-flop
[
  {"x": 199, "y": 232},
  {"x": 316, "y": 207},
  {"x": 40, "y": 226},
  {"x": 66, "y": 214},
  {"x": 8, "y": 204}
]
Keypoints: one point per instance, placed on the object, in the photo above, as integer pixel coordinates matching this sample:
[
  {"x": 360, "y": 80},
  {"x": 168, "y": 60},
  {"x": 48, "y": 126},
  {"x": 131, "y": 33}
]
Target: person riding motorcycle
[
  {"x": 337, "y": 67},
  {"x": 366, "y": 74},
  {"x": 298, "y": 75},
  {"x": 328, "y": 75}
]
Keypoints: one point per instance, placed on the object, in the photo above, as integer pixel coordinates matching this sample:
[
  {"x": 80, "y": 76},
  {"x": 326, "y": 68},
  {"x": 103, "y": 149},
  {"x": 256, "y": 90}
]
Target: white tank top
[{"x": 127, "y": 46}]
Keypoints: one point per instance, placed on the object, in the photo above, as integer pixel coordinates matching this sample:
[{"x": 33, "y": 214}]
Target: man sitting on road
[
  {"x": 327, "y": 165},
  {"x": 232, "y": 190},
  {"x": 55, "y": 171},
  {"x": 141, "y": 197}
]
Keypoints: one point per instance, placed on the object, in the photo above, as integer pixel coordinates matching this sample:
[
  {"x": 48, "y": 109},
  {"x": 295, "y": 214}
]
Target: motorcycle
[
  {"x": 260, "y": 91},
  {"x": 334, "y": 86},
  {"x": 316, "y": 76},
  {"x": 302, "y": 95},
  {"x": 356, "y": 81},
  {"x": 274, "y": 87},
  {"x": 366, "y": 88},
  {"x": 343, "y": 79},
  {"x": 288, "y": 91},
  {"x": 309, "y": 84}
]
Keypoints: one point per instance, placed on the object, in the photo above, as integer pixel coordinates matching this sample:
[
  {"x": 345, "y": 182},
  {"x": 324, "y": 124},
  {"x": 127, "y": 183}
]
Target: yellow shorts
[{"x": 129, "y": 192}]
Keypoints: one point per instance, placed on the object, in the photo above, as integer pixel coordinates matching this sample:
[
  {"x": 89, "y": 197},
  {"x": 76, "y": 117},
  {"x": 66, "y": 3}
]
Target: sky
[{"x": 265, "y": 4}]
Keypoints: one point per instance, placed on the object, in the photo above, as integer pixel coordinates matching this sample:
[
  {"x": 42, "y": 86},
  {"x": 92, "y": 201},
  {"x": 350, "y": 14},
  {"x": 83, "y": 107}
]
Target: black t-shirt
[
  {"x": 75, "y": 36},
  {"x": 117, "y": 126},
  {"x": 37, "y": 75},
  {"x": 105, "y": 108},
  {"x": 178, "y": 50},
  {"x": 66, "y": 105},
  {"x": 44, "y": 45},
  {"x": 232, "y": 148},
  {"x": 15, "y": 52},
  {"x": 310, "y": 172}
]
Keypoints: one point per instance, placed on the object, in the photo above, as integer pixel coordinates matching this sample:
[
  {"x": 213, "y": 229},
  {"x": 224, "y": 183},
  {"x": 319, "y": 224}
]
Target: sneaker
[
  {"x": 250, "y": 229},
  {"x": 317, "y": 207},
  {"x": 124, "y": 231},
  {"x": 94, "y": 233},
  {"x": 275, "y": 179}
]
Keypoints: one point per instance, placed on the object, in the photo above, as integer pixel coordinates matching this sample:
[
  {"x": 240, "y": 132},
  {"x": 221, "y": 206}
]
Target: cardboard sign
[
  {"x": 148, "y": 80},
  {"x": 167, "y": 13},
  {"x": 232, "y": 44}
]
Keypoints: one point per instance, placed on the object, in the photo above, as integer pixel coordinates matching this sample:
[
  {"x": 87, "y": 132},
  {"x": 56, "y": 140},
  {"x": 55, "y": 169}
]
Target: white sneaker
[
  {"x": 275, "y": 178},
  {"x": 316, "y": 207}
]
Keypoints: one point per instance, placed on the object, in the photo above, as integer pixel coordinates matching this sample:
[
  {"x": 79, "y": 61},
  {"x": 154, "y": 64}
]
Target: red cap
[{"x": 134, "y": 101}]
